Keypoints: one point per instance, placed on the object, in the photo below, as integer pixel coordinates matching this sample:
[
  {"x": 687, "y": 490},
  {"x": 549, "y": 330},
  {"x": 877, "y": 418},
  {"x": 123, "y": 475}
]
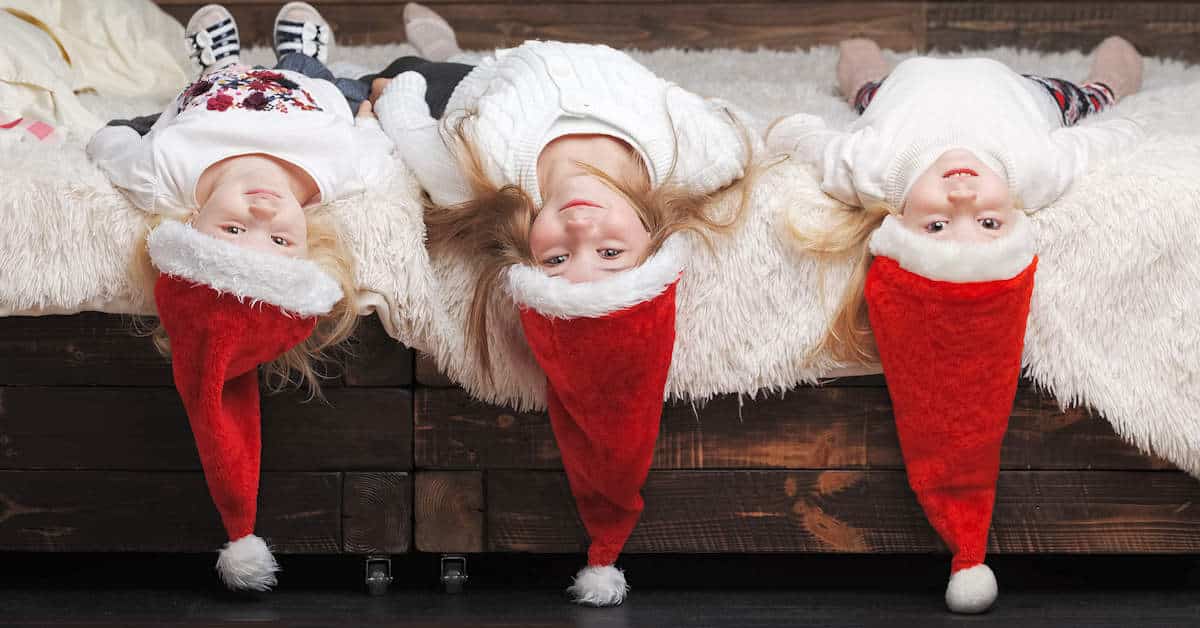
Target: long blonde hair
[
  {"x": 298, "y": 366},
  {"x": 496, "y": 223},
  {"x": 848, "y": 337}
]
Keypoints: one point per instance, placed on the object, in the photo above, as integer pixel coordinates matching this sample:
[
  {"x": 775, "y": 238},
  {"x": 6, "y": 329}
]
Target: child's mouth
[
  {"x": 577, "y": 202},
  {"x": 959, "y": 172},
  {"x": 262, "y": 192}
]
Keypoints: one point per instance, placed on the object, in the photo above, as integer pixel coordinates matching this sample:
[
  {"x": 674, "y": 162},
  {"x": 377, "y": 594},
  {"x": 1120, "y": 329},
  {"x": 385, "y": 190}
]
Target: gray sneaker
[
  {"x": 212, "y": 38},
  {"x": 299, "y": 28}
]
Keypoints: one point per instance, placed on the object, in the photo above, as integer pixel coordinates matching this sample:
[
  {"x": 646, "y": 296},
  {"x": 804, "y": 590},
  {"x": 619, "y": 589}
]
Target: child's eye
[
  {"x": 935, "y": 226},
  {"x": 554, "y": 261},
  {"x": 989, "y": 223},
  {"x": 280, "y": 241},
  {"x": 233, "y": 229},
  {"x": 610, "y": 253}
]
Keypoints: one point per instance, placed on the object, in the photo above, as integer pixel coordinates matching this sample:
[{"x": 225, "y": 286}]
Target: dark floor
[{"x": 132, "y": 590}]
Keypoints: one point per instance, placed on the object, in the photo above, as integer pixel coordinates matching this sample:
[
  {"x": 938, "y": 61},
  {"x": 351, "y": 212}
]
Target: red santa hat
[
  {"x": 949, "y": 321},
  {"x": 606, "y": 348},
  {"x": 226, "y": 310}
]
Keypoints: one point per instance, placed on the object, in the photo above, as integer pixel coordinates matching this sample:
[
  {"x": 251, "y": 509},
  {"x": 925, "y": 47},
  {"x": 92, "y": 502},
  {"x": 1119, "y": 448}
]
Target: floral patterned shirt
[{"x": 238, "y": 110}]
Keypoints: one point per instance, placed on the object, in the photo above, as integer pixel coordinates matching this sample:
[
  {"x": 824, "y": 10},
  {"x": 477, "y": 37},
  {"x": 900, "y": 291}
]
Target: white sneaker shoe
[
  {"x": 212, "y": 38},
  {"x": 429, "y": 33},
  {"x": 299, "y": 28}
]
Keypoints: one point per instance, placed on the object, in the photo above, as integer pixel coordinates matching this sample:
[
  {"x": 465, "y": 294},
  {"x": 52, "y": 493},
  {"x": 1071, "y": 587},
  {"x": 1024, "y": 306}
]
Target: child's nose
[
  {"x": 961, "y": 195},
  {"x": 262, "y": 212},
  {"x": 580, "y": 225}
]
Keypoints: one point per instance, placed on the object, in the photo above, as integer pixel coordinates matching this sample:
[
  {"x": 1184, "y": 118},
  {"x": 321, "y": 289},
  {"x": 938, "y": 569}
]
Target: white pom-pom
[
  {"x": 971, "y": 590},
  {"x": 599, "y": 586},
  {"x": 247, "y": 564}
]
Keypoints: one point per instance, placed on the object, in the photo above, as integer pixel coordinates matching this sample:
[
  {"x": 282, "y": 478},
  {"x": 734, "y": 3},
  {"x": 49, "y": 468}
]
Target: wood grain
[
  {"x": 449, "y": 509},
  {"x": 147, "y": 429},
  {"x": 85, "y": 349},
  {"x": 810, "y": 428},
  {"x": 854, "y": 512},
  {"x": 377, "y": 513},
  {"x": 103, "y": 511},
  {"x": 428, "y": 374},
  {"x": 373, "y": 358},
  {"x": 639, "y": 24},
  {"x": 1159, "y": 29}
]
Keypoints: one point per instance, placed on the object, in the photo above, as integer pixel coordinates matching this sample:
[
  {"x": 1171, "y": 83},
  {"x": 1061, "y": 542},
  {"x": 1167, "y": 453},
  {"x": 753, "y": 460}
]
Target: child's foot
[
  {"x": 299, "y": 28},
  {"x": 1117, "y": 64},
  {"x": 212, "y": 38},
  {"x": 431, "y": 35},
  {"x": 860, "y": 61}
]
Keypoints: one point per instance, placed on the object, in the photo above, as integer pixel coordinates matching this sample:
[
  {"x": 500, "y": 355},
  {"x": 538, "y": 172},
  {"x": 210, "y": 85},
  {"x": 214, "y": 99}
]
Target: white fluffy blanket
[{"x": 1113, "y": 322}]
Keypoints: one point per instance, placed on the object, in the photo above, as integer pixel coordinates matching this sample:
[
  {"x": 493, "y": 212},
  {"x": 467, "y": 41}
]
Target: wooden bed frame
[{"x": 96, "y": 455}]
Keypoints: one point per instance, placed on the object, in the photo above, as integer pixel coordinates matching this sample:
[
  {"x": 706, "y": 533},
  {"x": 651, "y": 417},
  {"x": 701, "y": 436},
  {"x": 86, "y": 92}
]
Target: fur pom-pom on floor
[
  {"x": 599, "y": 586},
  {"x": 247, "y": 564},
  {"x": 971, "y": 590}
]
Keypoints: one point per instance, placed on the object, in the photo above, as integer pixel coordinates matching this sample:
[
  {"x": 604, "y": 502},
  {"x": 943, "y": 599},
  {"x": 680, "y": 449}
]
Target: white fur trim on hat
[
  {"x": 956, "y": 262},
  {"x": 556, "y": 297},
  {"x": 247, "y": 564},
  {"x": 971, "y": 590},
  {"x": 295, "y": 285},
  {"x": 599, "y": 586}
]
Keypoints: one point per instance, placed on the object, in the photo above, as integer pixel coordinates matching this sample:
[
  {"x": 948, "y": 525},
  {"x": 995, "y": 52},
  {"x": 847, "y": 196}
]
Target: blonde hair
[
  {"x": 298, "y": 366},
  {"x": 848, "y": 337},
  {"x": 495, "y": 224}
]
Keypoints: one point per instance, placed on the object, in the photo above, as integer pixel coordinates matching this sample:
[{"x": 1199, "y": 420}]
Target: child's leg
[
  {"x": 1076, "y": 102},
  {"x": 861, "y": 68},
  {"x": 355, "y": 91},
  {"x": 1117, "y": 64},
  {"x": 440, "y": 79}
]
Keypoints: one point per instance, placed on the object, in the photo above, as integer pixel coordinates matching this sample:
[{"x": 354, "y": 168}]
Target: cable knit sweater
[
  {"x": 520, "y": 100},
  {"x": 927, "y": 106}
]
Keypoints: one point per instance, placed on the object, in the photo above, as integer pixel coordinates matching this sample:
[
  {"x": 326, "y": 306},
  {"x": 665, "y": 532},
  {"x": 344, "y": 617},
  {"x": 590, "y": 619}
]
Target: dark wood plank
[
  {"x": 85, "y": 349},
  {"x": 377, "y": 513},
  {"x": 449, "y": 509},
  {"x": 638, "y": 24},
  {"x": 373, "y": 358},
  {"x": 428, "y": 374},
  {"x": 810, "y": 428},
  {"x": 147, "y": 429},
  {"x": 854, "y": 512},
  {"x": 88, "y": 511},
  {"x": 1160, "y": 29}
]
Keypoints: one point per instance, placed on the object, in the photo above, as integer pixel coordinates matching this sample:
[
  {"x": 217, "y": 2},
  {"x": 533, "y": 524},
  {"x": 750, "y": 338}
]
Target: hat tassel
[{"x": 247, "y": 564}]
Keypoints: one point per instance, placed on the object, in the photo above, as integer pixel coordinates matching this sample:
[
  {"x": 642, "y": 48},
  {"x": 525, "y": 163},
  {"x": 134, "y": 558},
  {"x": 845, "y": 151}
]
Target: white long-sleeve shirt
[
  {"x": 238, "y": 111},
  {"x": 523, "y": 98},
  {"x": 927, "y": 106}
]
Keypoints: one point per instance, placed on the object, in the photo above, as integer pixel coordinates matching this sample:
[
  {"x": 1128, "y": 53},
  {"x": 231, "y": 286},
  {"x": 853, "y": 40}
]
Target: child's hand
[
  {"x": 365, "y": 110},
  {"x": 377, "y": 87}
]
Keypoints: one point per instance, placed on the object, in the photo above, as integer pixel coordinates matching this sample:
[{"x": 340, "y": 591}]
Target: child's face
[
  {"x": 587, "y": 230},
  {"x": 255, "y": 216},
  {"x": 959, "y": 198}
]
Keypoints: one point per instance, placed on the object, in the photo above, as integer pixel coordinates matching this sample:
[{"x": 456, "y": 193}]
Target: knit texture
[{"x": 951, "y": 355}]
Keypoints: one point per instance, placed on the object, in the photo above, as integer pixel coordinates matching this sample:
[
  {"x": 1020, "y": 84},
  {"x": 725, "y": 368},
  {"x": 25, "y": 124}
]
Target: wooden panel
[
  {"x": 87, "y": 511},
  {"x": 85, "y": 349},
  {"x": 449, "y": 511},
  {"x": 810, "y": 427},
  {"x": 854, "y": 512},
  {"x": 1166, "y": 29},
  {"x": 373, "y": 358},
  {"x": 145, "y": 429},
  {"x": 378, "y": 513},
  {"x": 484, "y": 25},
  {"x": 847, "y": 427},
  {"x": 427, "y": 373}
]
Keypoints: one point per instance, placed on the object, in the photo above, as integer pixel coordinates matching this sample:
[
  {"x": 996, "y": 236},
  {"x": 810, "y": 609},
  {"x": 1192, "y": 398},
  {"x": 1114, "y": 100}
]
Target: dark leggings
[
  {"x": 441, "y": 79},
  {"x": 1074, "y": 102}
]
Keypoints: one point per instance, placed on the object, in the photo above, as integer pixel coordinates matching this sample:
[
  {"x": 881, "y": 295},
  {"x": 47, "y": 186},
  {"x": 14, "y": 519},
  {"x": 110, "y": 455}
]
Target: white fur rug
[{"x": 1113, "y": 323}]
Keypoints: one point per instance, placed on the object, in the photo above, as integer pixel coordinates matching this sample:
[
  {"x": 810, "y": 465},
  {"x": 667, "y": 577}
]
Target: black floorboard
[{"x": 132, "y": 590}]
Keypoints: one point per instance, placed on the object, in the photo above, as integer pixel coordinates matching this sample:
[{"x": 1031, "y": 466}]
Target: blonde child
[
  {"x": 248, "y": 267},
  {"x": 939, "y": 172},
  {"x": 569, "y": 169}
]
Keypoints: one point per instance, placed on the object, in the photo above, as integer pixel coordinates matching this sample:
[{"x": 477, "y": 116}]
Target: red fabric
[
  {"x": 951, "y": 355},
  {"x": 605, "y": 381},
  {"x": 217, "y": 344}
]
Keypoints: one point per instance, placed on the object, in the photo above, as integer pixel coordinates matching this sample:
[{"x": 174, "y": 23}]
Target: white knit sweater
[
  {"x": 927, "y": 106},
  {"x": 517, "y": 102}
]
